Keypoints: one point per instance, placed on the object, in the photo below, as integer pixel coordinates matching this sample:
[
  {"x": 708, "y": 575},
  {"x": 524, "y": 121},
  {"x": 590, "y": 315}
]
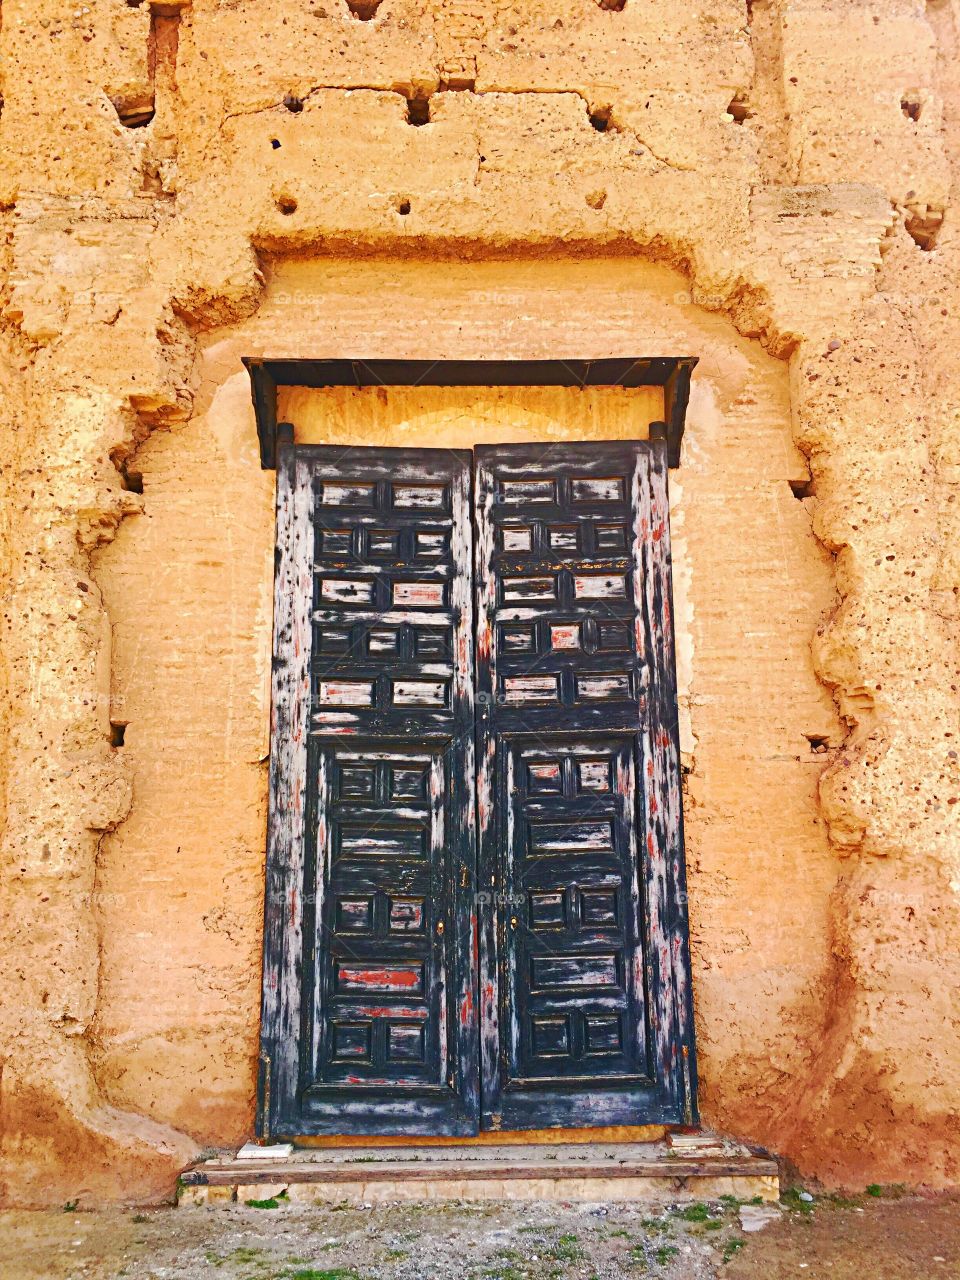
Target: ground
[{"x": 869, "y": 1237}]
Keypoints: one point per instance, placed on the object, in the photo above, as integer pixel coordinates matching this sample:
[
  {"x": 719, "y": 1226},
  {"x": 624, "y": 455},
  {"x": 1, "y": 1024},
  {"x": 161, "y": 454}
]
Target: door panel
[
  {"x": 369, "y": 976},
  {"x": 584, "y": 1001},
  {"x": 401, "y": 981}
]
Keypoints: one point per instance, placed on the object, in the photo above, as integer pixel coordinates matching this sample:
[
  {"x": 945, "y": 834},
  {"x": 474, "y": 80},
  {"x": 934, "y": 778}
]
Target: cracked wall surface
[{"x": 167, "y": 173}]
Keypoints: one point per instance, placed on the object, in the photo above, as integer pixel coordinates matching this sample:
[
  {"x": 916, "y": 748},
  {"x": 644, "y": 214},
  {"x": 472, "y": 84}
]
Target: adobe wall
[{"x": 765, "y": 185}]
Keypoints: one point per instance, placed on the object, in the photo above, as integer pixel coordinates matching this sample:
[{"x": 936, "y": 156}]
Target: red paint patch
[{"x": 380, "y": 979}]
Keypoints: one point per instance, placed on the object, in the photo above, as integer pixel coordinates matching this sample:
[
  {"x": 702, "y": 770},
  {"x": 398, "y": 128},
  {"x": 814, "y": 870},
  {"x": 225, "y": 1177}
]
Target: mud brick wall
[{"x": 767, "y": 185}]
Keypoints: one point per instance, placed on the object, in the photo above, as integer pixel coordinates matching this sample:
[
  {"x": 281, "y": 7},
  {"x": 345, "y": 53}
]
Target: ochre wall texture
[{"x": 766, "y": 185}]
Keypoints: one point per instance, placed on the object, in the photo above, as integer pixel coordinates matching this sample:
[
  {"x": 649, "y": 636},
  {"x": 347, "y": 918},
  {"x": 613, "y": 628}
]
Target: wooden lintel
[{"x": 670, "y": 372}]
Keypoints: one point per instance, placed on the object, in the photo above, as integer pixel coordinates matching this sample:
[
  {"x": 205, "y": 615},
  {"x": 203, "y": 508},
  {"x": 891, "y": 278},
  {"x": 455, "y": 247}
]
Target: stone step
[{"x": 585, "y": 1172}]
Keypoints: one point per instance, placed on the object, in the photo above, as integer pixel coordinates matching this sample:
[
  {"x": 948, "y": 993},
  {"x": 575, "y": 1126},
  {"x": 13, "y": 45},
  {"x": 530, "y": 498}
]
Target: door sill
[{"x": 702, "y": 1167}]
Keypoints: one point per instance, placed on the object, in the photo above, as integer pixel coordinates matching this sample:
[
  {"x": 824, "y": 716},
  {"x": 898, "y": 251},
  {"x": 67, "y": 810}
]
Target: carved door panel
[
  {"x": 402, "y": 984},
  {"x": 585, "y": 1002},
  {"x": 369, "y": 1019}
]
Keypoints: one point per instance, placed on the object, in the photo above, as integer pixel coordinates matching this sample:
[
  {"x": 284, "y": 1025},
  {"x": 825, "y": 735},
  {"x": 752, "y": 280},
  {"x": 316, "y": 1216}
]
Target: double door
[{"x": 475, "y": 907}]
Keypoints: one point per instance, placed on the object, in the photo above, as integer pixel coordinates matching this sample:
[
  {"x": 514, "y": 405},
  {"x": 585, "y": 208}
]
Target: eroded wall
[{"x": 166, "y": 179}]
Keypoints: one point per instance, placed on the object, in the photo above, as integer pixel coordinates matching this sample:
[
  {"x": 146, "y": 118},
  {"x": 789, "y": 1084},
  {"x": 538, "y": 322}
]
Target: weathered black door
[
  {"x": 585, "y": 1001},
  {"x": 402, "y": 982},
  {"x": 369, "y": 1016}
]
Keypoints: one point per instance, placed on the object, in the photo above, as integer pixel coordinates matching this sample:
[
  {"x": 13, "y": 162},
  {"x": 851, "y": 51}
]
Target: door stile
[
  {"x": 667, "y": 922},
  {"x": 463, "y": 874},
  {"x": 488, "y": 906},
  {"x": 286, "y": 827}
]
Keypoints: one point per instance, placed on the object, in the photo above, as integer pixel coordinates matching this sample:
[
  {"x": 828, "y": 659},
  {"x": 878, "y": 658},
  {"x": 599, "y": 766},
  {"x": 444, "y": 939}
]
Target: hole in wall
[
  {"x": 137, "y": 109},
  {"x": 402, "y": 206},
  {"x": 801, "y": 488},
  {"x": 118, "y": 729},
  {"x": 293, "y": 103},
  {"x": 738, "y": 108},
  {"x": 135, "y": 113},
  {"x": 132, "y": 481},
  {"x": 287, "y": 205},
  {"x": 617, "y": 6},
  {"x": 418, "y": 111},
  {"x": 458, "y": 83},
  {"x": 365, "y": 10},
  {"x": 911, "y": 107},
  {"x": 600, "y": 118},
  {"x": 923, "y": 226},
  {"x": 819, "y": 743},
  {"x": 275, "y": 143}
]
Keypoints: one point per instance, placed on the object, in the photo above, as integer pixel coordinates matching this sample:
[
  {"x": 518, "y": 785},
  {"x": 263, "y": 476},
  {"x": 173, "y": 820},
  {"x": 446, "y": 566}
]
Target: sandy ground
[{"x": 867, "y": 1238}]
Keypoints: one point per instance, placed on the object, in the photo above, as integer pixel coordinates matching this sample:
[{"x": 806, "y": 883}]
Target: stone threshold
[{"x": 703, "y": 1168}]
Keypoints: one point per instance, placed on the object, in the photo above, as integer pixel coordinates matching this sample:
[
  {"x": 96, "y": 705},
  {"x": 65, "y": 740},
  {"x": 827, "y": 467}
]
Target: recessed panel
[
  {"x": 347, "y": 590},
  {"x": 531, "y": 689},
  {"x": 550, "y": 1037},
  {"x": 332, "y": 640},
  {"x": 570, "y": 837},
  {"x": 408, "y": 783},
  {"x": 406, "y": 915},
  {"x": 518, "y": 640},
  {"x": 405, "y": 1042},
  {"x": 593, "y": 775},
  {"x": 597, "y": 489},
  {"x": 564, "y": 538},
  {"x": 420, "y": 693},
  {"x": 529, "y": 589},
  {"x": 528, "y": 490},
  {"x": 350, "y": 1041},
  {"x": 374, "y": 841},
  {"x": 613, "y": 637},
  {"x": 383, "y": 544},
  {"x": 431, "y": 544},
  {"x": 600, "y": 586},
  {"x": 345, "y": 693},
  {"x": 598, "y": 908},
  {"x": 356, "y": 781},
  {"x": 382, "y": 640},
  {"x": 603, "y": 1035},
  {"x": 336, "y": 542},
  {"x": 604, "y": 688},
  {"x": 372, "y": 979},
  {"x": 547, "y": 910},
  {"x": 574, "y": 971},
  {"x": 432, "y": 642},
  {"x": 611, "y": 538},
  {"x": 420, "y": 497},
  {"x": 354, "y": 915},
  {"x": 419, "y": 595},
  {"x": 516, "y": 538},
  {"x": 346, "y": 494},
  {"x": 544, "y": 776},
  {"x": 565, "y": 635}
]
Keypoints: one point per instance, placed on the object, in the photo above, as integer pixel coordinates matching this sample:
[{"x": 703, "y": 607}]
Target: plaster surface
[{"x": 768, "y": 186}]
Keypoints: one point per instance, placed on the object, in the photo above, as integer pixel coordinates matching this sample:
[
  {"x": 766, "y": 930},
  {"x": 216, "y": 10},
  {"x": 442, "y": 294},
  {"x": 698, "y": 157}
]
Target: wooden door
[
  {"x": 401, "y": 982},
  {"x": 369, "y": 1017},
  {"x": 585, "y": 999}
]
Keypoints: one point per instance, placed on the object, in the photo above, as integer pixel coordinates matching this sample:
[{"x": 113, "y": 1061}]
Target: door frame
[{"x": 287, "y": 786}]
